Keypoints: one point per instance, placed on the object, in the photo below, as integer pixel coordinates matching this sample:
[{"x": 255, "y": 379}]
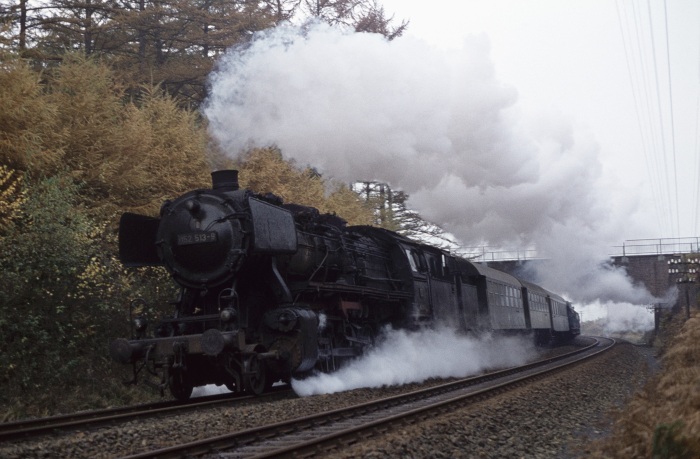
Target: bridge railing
[
  {"x": 485, "y": 253},
  {"x": 658, "y": 246}
]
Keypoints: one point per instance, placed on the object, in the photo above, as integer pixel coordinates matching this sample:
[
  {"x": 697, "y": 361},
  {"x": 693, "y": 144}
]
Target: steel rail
[
  {"x": 26, "y": 429},
  {"x": 308, "y": 434}
]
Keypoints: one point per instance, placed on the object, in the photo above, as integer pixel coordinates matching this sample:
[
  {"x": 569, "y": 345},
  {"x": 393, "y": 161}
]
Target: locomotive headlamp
[{"x": 227, "y": 315}]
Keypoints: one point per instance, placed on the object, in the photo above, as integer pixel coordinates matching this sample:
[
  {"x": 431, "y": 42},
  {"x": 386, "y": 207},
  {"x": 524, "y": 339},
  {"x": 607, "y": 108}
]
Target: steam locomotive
[{"x": 270, "y": 290}]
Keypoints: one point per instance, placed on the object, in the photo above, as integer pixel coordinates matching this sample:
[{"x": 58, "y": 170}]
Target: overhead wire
[
  {"x": 660, "y": 115},
  {"x": 655, "y": 114},
  {"x": 673, "y": 128},
  {"x": 696, "y": 176},
  {"x": 646, "y": 135}
]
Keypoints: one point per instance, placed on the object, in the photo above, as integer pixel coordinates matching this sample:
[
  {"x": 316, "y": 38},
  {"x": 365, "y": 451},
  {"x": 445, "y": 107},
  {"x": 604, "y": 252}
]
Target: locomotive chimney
[{"x": 225, "y": 180}]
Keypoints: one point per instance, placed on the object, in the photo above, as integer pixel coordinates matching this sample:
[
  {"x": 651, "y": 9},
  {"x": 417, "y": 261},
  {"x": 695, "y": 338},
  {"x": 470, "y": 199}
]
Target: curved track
[{"x": 324, "y": 432}]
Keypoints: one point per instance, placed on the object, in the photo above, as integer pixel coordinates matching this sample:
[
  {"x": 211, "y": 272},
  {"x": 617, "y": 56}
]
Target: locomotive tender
[{"x": 271, "y": 290}]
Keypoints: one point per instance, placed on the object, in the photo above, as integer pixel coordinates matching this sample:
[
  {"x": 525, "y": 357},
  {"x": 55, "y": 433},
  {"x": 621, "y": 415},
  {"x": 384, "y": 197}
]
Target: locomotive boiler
[{"x": 270, "y": 290}]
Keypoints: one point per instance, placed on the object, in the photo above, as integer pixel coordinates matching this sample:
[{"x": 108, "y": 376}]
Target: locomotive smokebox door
[{"x": 273, "y": 228}]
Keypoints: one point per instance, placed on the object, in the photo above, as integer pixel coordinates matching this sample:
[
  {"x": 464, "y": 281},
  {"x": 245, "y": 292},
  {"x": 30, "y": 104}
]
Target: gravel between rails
[
  {"x": 557, "y": 418},
  {"x": 554, "y": 419}
]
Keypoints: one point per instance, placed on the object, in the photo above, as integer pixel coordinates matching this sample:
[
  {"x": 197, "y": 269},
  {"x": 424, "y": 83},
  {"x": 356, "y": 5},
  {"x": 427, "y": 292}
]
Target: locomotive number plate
[{"x": 196, "y": 238}]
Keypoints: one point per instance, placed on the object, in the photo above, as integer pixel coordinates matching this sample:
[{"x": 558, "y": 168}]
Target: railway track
[
  {"x": 327, "y": 431},
  {"x": 90, "y": 419}
]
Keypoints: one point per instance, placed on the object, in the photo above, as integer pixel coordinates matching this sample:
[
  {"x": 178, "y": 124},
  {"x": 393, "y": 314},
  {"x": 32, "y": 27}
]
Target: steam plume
[{"x": 440, "y": 126}]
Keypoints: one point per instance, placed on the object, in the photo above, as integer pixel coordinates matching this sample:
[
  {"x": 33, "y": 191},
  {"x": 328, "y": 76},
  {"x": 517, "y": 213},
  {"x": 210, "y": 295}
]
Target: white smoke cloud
[
  {"x": 356, "y": 106},
  {"x": 619, "y": 317},
  {"x": 407, "y": 357},
  {"x": 439, "y": 125}
]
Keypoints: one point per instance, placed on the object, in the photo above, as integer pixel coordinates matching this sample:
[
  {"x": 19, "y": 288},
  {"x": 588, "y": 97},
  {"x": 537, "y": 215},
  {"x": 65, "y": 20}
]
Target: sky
[{"x": 509, "y": 123}]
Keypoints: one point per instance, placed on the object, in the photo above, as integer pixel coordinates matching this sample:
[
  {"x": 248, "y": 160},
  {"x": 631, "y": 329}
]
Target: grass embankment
[{"x": 663, "y": 419}]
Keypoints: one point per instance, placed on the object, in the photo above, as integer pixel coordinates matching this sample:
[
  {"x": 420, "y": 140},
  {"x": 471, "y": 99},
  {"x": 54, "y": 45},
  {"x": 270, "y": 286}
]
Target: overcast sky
[{"x": 570, "y": 57}]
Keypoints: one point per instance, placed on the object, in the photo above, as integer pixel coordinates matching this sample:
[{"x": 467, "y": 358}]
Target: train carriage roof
[
  {"x": 537, "y": 289},
  {"x": 558, "y": 298},
  {"x": 534, "y": 288},
  {"x": 480, "y": 269}
]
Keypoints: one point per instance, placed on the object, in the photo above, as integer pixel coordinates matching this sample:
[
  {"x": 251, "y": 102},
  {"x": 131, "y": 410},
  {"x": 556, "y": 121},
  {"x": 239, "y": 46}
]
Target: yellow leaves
[
  {"x": 12, "y": 196},
  {"x": 28, "y": 135},
  {"x": 98, "y": 275},
  {"x": 345, "y": 202},
  {"x": 265, "y": 171},
  {"x": 160, "y": 153}
]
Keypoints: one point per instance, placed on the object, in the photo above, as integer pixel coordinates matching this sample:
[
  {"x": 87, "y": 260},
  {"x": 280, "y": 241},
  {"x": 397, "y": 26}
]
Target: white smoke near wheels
[{"x": 404, "y": 357}]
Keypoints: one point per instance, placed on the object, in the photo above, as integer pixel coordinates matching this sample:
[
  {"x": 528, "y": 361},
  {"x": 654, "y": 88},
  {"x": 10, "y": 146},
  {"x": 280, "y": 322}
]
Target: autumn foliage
[{"x": 76, "y": 150}]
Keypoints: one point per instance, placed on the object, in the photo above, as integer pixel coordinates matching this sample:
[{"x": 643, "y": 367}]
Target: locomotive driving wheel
[
  {"x": 180, "y": 386},
  {"x": 256, "y": 375}
]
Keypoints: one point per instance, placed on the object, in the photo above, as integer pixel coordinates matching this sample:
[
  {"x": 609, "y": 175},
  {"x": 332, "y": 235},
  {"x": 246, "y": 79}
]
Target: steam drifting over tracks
[{"x": 326, "y": 431}]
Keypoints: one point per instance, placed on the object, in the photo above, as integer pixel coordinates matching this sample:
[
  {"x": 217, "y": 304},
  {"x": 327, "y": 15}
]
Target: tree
[
  {"x": 44, "y": 31},
  {"x": 28, "y": 139},
  {"x": 265, "y": 171},
  {"x": 374, "y": 20},
  {"x": 391, "y": 212},
  {"x": 174, "y": 43},
  {"x": 360, "y": 15},
  {"x": 170, "y": 43},
  {"x": 129, "y": 154}
]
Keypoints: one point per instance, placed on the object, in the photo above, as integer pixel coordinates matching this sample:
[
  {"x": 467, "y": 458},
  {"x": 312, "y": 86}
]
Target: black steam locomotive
[{"x": 272, "y": 290}]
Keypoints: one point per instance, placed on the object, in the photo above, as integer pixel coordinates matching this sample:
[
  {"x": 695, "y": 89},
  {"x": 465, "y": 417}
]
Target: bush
[
  {"x": 62, "y": 296},
  {"x": 44, "y": 251}
]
